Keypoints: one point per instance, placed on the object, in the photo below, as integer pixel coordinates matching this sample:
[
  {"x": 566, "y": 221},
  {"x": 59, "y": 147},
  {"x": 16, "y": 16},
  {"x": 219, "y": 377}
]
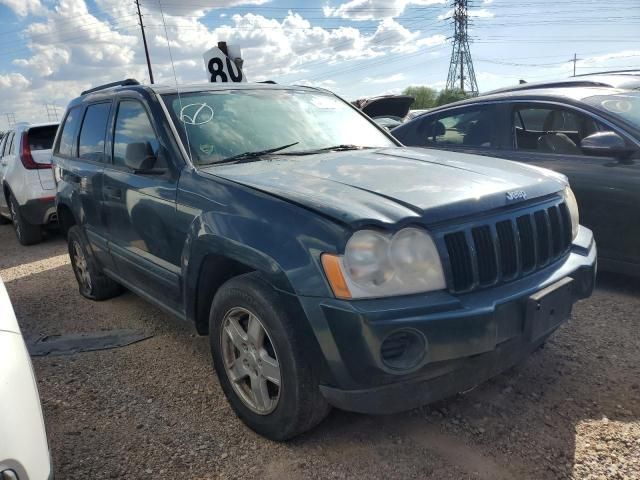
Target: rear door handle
[{"x": 113, "y": 193}]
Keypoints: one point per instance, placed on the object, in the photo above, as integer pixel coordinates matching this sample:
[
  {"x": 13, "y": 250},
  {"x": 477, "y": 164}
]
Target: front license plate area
[{"x": 548, "y": 308}]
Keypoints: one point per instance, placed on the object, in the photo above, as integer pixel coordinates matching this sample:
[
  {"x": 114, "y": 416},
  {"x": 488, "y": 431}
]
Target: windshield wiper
[
  {"x": 253, "y": 155},
  {"x": 334, "y": 148}
]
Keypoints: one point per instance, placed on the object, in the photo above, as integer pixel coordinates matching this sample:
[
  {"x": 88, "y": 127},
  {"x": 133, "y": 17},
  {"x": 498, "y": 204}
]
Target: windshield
[
  {"x": 623, "y": 105},
  {"x": 217, "y": 125}
]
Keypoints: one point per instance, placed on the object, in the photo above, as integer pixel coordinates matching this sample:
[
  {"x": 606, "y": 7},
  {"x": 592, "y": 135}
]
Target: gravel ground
[{"x": 155, "y": 410}]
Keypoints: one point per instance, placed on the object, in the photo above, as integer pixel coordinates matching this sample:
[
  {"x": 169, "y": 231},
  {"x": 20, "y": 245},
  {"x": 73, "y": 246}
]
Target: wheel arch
[
  {"x": 212, "y": 261},
  {"x": 66, "y": 218}
]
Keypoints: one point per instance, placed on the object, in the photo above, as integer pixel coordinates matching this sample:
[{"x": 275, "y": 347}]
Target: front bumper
[{"x": 470, "y": 337}]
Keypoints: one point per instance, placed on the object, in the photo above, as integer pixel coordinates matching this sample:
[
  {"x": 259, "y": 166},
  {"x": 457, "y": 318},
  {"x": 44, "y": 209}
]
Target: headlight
[
  {"x": 376, "y": 264},
  {"x": 572, "y": 206}
]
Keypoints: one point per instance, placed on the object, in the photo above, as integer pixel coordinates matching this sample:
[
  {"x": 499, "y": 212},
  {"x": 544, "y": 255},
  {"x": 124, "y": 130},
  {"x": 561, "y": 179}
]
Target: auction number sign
[{"x": 220, "y": 68}]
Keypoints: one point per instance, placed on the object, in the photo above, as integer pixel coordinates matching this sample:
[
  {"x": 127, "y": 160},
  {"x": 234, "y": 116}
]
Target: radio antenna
[{"x": 175, "y": 78}]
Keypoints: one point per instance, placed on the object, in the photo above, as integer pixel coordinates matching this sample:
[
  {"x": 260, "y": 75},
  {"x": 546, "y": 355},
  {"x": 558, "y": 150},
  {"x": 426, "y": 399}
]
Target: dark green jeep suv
[{"x": 328, "y": 264}]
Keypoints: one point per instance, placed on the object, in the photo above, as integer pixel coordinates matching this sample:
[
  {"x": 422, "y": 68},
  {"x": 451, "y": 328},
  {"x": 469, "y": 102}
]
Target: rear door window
[
  {"x": 41, "y": 138},
  {"x": 472, "y": 127},
  {"x": 93, "y": 131},
  {"x": 67, "y": 144}
]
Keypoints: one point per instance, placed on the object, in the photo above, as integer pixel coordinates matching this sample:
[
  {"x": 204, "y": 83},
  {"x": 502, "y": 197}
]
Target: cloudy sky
[{"x": 50, "y": 50}]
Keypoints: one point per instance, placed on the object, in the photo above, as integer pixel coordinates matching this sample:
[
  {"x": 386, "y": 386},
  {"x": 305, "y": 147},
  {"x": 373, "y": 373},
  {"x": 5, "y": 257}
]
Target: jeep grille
[{"x": 496, "y": 251}]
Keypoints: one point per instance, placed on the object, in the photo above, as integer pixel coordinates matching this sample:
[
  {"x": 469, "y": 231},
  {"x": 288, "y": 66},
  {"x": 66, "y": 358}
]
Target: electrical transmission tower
[
  {"x": 461, "y": 74},
  {"x": 11, "y": 119},
  {"x": 52, "y": 112}
]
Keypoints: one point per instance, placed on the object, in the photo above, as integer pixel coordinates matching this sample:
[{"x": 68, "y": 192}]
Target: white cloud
[
  {"x": 13, "y": 80},
  {"x": 629, "y": 56},
  {"x": 174, "y": 8},
  {"x": 79, "y": 55},
  {"x": 68, "y": 56},
  {"x": 374, "y": 9},
  {"x": 393, "y": 78},
  {"x": 22, "y": 8}
]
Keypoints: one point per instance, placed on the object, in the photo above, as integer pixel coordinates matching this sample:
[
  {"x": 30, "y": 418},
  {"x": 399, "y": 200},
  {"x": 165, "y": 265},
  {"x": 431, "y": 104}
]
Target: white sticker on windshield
[
  {"x": 617, "y": 106},
  {"x": 321, "y": 101},
  {"x": 206, "y": 148},
  {"x": 196, "y": 114}
]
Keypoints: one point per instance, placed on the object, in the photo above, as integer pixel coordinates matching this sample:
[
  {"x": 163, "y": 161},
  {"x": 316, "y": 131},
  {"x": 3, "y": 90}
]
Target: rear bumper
[
  {"x": 41, "y": 211},
  {"x": 469, "y": 338}
]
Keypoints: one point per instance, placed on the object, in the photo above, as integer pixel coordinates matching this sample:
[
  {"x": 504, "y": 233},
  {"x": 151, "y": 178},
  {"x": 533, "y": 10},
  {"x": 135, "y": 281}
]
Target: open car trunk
[{"x": 386, "y": 106}]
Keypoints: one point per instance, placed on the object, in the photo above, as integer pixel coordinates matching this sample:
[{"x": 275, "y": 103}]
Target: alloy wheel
[
  {"x": 81, "y": 266},
  {"x": 14, "y": 218},
  {"x": 250, "y": 361}
]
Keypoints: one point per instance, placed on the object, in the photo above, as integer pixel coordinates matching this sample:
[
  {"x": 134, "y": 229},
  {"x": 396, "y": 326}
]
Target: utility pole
[
  {"x": 461, "y": 54},
  {"x": 144, "y": 40},
  {"x": 575, "y": 60}
]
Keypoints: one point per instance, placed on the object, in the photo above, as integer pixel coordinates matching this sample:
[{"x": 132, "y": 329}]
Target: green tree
[
  {"x": 450, "y": 96},
  {"x": 425, "y": 97}
]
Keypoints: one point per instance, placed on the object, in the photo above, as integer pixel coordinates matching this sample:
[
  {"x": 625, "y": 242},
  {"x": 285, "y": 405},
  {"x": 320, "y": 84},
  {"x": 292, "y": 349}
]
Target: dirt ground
[{"x": 155, "y": 409}]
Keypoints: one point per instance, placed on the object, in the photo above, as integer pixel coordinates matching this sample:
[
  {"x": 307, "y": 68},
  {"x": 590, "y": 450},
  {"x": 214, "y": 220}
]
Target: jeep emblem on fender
[{"x": 516, "y": 195}]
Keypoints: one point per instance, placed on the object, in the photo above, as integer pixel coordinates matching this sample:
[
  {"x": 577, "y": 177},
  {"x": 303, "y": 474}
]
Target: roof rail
[
  {"x": 549, "y": 84},
  {"x": 121, "y": 83},
  {"x": 635, "y": 71}
]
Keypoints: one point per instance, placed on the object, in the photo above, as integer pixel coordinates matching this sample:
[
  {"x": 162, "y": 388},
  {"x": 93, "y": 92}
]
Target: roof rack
[{"x": 121, "y": 83}]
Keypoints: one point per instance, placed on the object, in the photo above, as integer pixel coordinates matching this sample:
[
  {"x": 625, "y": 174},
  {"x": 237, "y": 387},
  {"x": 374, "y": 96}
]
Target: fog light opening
[{"x": 403, "y": 349}]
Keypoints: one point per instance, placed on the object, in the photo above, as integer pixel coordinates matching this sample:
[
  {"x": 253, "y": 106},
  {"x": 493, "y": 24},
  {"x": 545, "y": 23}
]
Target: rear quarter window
[
  {"x": 67, "y": 142},
  {"x": 41, "y": 138},
  {"x": 92, "y": 132},
  {"x": 8, "y": 148}
]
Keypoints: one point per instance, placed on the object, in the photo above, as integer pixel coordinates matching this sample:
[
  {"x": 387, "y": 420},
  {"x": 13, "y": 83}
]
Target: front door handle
[{"x": 113, "y": 193}]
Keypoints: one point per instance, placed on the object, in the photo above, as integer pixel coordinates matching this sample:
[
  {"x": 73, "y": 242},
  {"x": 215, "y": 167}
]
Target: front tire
[
  {"x": 260, "y": 361},
  {"x": 27, "y": 233},
  {"x": 92, "y": 282}
]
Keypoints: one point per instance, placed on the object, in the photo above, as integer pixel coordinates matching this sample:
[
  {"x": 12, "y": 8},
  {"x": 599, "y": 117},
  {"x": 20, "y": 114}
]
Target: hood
[
  {"x": 387, "y": 106},
  {"x": 8, "y": 322},
  {"x": 392, "y": 185}
]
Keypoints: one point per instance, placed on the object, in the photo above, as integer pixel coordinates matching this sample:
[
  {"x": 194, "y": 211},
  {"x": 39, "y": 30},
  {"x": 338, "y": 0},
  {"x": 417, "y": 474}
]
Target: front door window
[{"x": 551, "y": 129}]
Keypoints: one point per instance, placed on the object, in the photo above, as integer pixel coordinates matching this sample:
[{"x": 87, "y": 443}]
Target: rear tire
[
  {"x": 92, "y": 282},
  {"x": 293, "y": 406},
  {"x": 27, "y": 233}
]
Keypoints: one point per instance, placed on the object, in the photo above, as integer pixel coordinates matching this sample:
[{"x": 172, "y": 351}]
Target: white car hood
[{"x": 23, "y": 440}]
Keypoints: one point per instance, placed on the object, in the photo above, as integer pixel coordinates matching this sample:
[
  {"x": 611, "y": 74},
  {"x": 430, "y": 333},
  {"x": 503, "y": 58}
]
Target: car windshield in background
[
  {"x": 624, "y": 105},
  {"x": 217, "y": 125}
]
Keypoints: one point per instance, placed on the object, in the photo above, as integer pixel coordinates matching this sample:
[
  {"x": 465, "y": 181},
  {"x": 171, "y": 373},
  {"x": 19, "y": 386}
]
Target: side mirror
[
  {"x": 605, "y": 144},
  {"x": 139, "y": 157}
]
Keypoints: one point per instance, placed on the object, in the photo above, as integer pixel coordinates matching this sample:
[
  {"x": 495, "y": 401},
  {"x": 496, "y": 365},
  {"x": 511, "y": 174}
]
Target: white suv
[{"x": 28, "y": 189}]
